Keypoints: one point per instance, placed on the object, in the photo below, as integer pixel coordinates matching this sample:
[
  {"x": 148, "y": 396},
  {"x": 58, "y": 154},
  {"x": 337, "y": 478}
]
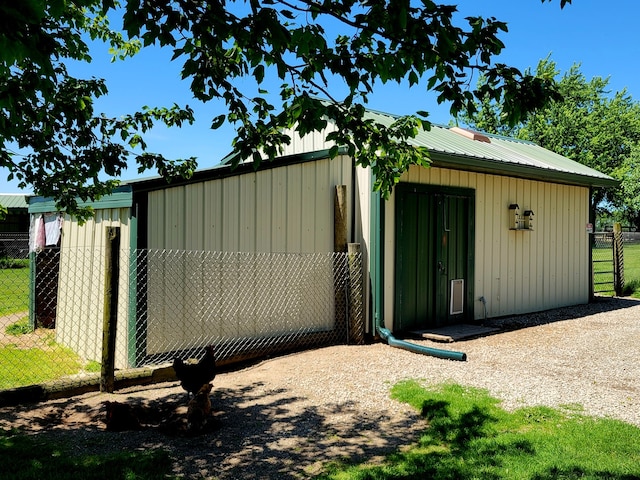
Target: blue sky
[{"x": 601, "y": 36}]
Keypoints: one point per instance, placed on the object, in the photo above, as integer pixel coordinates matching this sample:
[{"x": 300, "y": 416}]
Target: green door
[{"x": 434, "y": 256}]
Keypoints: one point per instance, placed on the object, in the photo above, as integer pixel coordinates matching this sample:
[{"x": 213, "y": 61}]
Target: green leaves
[
  {"x": 583, "y": 121},
  {"x": 64, "y": 149},
  {"x": 230, "y": 52}
]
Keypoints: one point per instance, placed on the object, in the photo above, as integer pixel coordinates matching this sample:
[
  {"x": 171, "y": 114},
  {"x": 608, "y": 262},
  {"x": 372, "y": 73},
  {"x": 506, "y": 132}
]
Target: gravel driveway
[{"x": 285, "y": 417}]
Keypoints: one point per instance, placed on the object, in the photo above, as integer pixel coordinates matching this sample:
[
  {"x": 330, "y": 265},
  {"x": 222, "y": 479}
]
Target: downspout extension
[{"x": 392, "y": 341}]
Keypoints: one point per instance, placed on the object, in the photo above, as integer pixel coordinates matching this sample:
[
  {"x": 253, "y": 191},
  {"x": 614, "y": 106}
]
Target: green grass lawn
[
  {"x": 603, "y": 270},
  {"x": 632, "y": 269},
  {"x": 14, "y": 290},
  {"x": 38, "y": 360},
  {"x": 470, "y": 437},
  {"x": 31, "y": 366}
]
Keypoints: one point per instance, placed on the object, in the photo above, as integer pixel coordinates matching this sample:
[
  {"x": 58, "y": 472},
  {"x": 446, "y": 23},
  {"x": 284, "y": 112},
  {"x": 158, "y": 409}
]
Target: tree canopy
[
  {"x": 589, "y": 124},
  {"x": 52, "y": 139}
]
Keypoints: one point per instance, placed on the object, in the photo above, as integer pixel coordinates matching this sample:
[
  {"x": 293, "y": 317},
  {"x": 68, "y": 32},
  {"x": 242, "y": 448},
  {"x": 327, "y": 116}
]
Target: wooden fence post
[
  {"x": 356, "y": 295},
  {"x": 110, "y": 315},
  {"x": 618, "y": 260}
]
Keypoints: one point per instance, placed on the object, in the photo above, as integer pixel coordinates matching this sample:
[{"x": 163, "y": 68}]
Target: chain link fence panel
[
  {"x": 169, "y": 304},
  {"x": 14, "y": 245},
  {"x": 608, "y": 263}
]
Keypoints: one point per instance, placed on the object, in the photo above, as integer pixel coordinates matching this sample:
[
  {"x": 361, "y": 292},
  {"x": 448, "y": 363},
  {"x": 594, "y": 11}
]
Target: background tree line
[{"x": 587, "y": 123}]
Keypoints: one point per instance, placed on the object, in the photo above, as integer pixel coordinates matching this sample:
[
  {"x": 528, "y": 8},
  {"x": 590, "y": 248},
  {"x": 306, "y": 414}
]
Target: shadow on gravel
[
  {"x": 599, "y": 305},
  {"x": 255, "y": 432}
]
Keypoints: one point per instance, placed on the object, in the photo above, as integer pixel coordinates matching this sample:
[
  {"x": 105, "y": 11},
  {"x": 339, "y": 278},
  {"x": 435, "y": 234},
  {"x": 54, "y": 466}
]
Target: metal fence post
[
  {"x": 618, "y": 260},
  {"x": 110, "y": 315}
]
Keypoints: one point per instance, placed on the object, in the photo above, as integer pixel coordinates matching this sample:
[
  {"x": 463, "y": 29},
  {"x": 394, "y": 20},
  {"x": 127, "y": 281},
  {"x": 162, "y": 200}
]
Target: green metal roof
[
  {"x": 500, "y": 155},
  {"x": 13, "y": 200}
]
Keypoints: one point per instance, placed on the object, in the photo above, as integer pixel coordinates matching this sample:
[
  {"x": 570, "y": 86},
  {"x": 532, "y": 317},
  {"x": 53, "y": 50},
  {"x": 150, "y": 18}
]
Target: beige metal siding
[
  {"x": 287, "y": 209},
  {"x": 516, "y": 271},
  {"x": 79, "y": 314}
]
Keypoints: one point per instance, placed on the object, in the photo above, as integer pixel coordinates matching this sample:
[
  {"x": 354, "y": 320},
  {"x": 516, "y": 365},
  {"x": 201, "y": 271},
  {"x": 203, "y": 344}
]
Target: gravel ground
[{"x": 287, "y": 416}]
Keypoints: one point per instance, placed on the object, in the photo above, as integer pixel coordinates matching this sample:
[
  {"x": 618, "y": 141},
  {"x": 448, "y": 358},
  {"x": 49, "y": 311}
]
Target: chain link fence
[
  {"x": 14, "y": 245},
  {"x": 58, "y": 309}
]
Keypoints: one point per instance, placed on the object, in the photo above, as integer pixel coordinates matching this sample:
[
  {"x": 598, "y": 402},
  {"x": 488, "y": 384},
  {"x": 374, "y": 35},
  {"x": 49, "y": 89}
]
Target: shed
[
  {"x": 14, "y": 227},
  {"x": 494, "y": 227}
]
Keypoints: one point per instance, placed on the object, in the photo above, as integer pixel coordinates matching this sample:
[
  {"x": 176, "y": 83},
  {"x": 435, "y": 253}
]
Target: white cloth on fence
[
  {"x": 52, "y": 226},
  {"x": 41, "y": 235},
  {"x": 45, "y": 230}
]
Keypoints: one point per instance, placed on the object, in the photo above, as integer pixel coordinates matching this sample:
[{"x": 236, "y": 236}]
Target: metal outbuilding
[{"x": 494, "y": 227}]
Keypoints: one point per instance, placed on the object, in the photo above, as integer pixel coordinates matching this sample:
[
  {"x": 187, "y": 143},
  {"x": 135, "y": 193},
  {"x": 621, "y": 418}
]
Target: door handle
[{"x": 441, "y": 267}]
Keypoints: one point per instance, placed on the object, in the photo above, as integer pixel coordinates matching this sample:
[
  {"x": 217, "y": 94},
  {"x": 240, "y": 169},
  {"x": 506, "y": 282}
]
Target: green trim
[
  {"x": 118, "y": 199},
  {"x": 495, "y": 167},
  {"x": 226, "y": 170},
  {"x": 32, "y": 290},
  {"x": 133, "y": 289},
  {"x": 376, "y": 258}
]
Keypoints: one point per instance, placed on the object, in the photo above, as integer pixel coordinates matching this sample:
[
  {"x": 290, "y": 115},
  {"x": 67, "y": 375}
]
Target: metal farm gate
[{"x": 608, "y": 263}]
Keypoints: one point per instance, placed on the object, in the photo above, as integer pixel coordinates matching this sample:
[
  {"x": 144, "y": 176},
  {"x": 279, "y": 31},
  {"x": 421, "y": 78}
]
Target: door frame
[{"x": 403, "y": 189}]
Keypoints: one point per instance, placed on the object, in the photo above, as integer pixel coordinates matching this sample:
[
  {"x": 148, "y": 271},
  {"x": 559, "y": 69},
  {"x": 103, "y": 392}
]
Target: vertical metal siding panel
[
  {"x": 247, "y": 213},
  {"x": 309, "y": 208},
  {"x": 191, "y": 276},
  {"x": 510, "y": 261},
  {"x": 434, "y": 176},
  {"x": 264, "y": 210},
  {"x": 362, "y": 208},
  {"x": 155, "y": 220},
  {"x": 531, "y": 290},
  {"x": 279, "y": 210},
  {"x": 176, "y": 219},
  {"x": 213, "y": 216},
  {"x": 584, "y": 202},
  {"x": 230, "y": 214},
  {"x": 574, "y": 244},
  {"x": 568, "y": 245},
  {"x": 194, "y": 217},
  {"x": 477, "y": 182},
  {"x": 294, "y": 208},
  {"x": 413, "y": 175},
  {"x": 522, "y": 251},
  {"x": 500, "y": 251},
  {"x": 453, "y": 178},
  {"x": 323, "y": 215},
  {"x": 540, "y": 227},
  {"x": 559, "y": 246},
  {"x": 484, "y": 241},
  {"x": 551, "y": 246},
  {"x": 578, "y": 218}
]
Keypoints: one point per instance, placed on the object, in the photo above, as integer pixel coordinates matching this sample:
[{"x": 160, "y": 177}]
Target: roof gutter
[{"x": 494, "y": 167}]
